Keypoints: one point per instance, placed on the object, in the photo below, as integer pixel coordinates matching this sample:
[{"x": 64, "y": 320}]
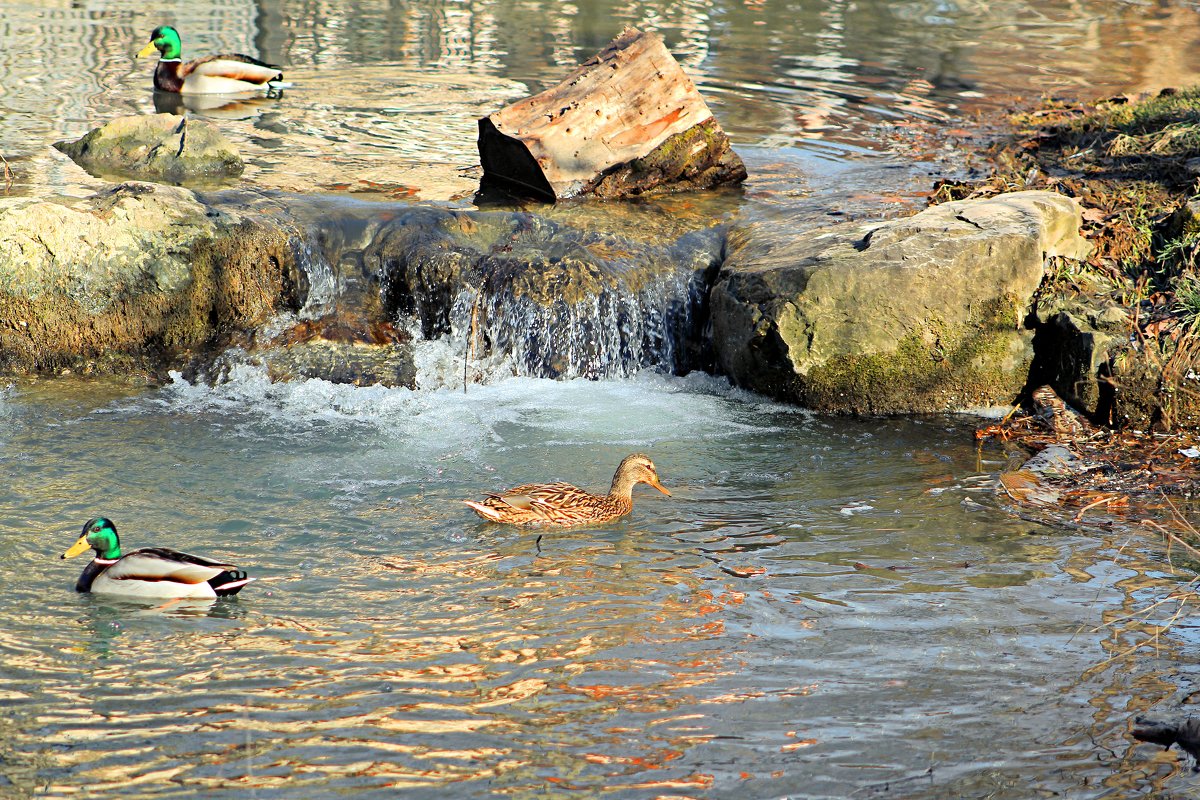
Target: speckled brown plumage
[{"x": 561, "y": 504}]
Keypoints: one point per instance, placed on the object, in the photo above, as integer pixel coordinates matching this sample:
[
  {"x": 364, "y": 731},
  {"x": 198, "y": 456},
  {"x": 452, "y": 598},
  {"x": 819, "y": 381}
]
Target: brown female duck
[{"x": 562, "y": 504}]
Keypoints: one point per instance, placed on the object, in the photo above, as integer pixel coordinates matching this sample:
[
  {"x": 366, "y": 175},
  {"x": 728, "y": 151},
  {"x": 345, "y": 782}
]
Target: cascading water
[
  {"x": 518, "y": 294},
  {"x": 651, "y": 322},
  {"x": 322, "y": 284},
  {"x": 469, "y": 297},
  {"x": 605, "y": 335}
]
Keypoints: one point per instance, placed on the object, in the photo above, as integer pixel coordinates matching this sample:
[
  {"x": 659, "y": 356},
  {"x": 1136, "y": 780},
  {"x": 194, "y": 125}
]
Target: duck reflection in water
[{"x": 218, "y": 106}]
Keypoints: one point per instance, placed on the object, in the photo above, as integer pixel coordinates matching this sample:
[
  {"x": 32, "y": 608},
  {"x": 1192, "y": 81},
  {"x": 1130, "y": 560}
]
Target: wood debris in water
[{"x": 1061, "y": 464}]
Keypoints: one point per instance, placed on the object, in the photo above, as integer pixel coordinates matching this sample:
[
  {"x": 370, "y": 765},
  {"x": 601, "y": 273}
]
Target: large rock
[
  {"x": 156, "y": 147},
  {"x": 920, "y": 314},
  {"x": 627, "y": 122},
  {"x": 131, "y": 279}
]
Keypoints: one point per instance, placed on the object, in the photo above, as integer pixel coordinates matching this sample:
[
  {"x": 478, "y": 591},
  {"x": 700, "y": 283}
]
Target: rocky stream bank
[
  {"x": 975, "y": 301},
  {"x": 927, "y": 313}
]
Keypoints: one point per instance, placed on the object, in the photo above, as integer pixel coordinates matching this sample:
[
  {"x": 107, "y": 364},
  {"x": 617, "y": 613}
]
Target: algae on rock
[
  {"x": 130, "y": 278},
  {"x": 156, "y": 147},
  {"x": 919, "y": 314}
]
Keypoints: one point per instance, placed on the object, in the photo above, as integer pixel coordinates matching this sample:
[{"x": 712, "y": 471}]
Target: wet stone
[{"x": 161, "y": 147}]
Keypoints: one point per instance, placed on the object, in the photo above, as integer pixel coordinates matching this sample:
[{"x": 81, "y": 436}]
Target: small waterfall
[
  {"x": 339, "y": 333},
  {"x": 428, "y": 297},
  {"x": 320, "y": 296},
  {"x": 546, "y": 300},
  {"x": 609, "y": 334}
]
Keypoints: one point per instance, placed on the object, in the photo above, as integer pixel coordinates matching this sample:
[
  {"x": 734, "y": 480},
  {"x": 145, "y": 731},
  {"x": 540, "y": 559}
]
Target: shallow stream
[{"x": 825, "y": 608}]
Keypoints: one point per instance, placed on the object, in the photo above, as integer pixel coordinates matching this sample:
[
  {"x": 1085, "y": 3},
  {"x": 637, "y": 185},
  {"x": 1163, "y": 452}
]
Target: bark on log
[{"x": 627, "y": 122}]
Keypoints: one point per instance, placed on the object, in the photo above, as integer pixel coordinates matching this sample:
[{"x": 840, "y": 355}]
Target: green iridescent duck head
[
  {"x": 165, "y": 40},
  {"x": 99, "y": 534}
]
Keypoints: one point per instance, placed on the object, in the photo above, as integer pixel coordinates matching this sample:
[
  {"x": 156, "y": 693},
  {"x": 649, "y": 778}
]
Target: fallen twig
[{"x": 1102, "y": 501}]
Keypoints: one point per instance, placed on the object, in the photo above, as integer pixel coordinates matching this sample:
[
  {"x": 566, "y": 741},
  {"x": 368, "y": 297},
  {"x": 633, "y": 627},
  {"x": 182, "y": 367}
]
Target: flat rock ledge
[
  {"x": 132, "y": 279},
  {"x": 922, "y": 314},
  {"x": 158, "y": 147}
]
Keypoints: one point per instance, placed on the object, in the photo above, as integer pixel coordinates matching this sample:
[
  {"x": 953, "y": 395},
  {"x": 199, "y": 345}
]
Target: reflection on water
[
  {"x": 824, "y": 608},
  {"x": 387, "y": 94},
  {"x": 214, "y": 106}
]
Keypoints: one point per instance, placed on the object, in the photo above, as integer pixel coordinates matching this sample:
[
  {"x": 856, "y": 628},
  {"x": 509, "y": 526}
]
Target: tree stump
[{"x": 627, "y": 122}]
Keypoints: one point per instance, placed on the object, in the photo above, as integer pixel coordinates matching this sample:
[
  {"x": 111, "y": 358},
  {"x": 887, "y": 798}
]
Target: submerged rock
[
  {"x": 338, "y": 348},
  {"x": 156, "y": 147},
  {"x": 1184, "y": 732},
  {"x": 921, "y": 314},
  {"x": 131, "y": 279}
]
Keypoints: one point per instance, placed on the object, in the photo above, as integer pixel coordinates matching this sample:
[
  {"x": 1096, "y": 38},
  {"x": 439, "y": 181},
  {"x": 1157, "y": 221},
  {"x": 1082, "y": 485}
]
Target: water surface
[
  {"x": 823, "y": 608},
  {"x": 387, "y": 94}
]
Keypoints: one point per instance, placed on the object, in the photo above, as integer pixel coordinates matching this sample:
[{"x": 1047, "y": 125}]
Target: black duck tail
[{"x": 229, "y": 582}]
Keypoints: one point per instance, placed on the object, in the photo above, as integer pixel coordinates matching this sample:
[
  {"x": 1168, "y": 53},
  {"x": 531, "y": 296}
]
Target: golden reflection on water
[
  {"x": 397, "y": 646},
  {"x": 315, "y": 704},
  {"x": 386, "y": 95},
  {"x": 1138, "y": 676}
]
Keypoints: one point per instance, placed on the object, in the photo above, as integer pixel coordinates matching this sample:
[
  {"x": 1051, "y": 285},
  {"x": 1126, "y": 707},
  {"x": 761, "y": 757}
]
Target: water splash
[
  {"x": 612, "y": 334},
  {"x": 656, "y": 405}
]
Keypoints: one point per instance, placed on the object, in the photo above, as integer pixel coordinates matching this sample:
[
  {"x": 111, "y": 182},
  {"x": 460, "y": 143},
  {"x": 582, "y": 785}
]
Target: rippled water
[
  {"x": 387, "y": 95},
  {"x": 823, "y": 608}
]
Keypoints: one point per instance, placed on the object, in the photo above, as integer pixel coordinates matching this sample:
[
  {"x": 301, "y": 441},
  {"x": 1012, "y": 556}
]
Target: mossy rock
[
  {"x": 699, "y": 158},
  {"x": 133, "y": 278},
  {"x": 160, "y": 147},
  {"x": 921, "y": 314}
]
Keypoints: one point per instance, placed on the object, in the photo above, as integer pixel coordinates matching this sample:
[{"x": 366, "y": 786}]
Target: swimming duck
[
  {"x": 229, "y": 73},
  {"x": 151, "y": 571},
  {"x": 563, "y": 504}
]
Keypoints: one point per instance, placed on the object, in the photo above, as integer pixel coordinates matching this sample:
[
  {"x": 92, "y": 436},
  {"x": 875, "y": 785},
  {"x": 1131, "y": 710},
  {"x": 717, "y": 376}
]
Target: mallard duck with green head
[
  {"x": 151, "y": 571},
  {"x": 229, "y": 73},
  {"x": 561, "y": 504}
]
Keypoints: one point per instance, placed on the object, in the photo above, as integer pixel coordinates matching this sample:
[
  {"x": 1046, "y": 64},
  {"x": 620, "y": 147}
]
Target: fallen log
[{"x": 627, "y": 122}]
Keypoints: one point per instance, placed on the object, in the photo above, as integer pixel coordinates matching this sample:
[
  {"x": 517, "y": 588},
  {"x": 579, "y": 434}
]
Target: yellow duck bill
[{"x": 77, "y": 548}]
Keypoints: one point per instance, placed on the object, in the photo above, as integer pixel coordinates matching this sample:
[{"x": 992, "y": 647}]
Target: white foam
[{"x": 636, "y": 411}]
